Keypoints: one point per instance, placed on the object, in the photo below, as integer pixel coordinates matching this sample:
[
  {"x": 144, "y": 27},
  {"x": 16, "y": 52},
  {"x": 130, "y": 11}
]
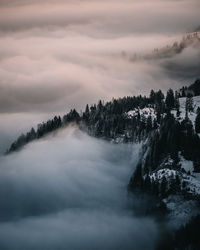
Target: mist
[
  {"x": 56, "y": 55},
  {"x": 70, "y": 191}
]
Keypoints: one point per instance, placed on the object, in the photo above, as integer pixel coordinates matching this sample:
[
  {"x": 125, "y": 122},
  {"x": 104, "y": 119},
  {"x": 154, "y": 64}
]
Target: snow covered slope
[
  {"x": 191, "y": 115},
  {"x": 177, "y": 177}
]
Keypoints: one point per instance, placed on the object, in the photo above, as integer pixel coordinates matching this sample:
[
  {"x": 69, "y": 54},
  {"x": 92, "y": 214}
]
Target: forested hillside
[
  {"x": 111, "y": 120},
  {"x": 169, "y": 129}
]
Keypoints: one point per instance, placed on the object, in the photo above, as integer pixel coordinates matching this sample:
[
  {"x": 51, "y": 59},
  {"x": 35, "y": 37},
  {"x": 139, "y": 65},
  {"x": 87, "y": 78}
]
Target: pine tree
[
  {"x": 155, "y": 124},
  {"x": 159, "y": 97},
  {"x": 189, "y": 104},
  {"x": 86, "y": 114},
  {"x": 100, "y": 106},
  {"x": 152, "y": 96},
  {"x": 158, "y": 116},
  {"x": 170, "y": 100},
  {"x": 177, "y": 106},
  {"x": 149, "y": 123},
  {"x": 183, "y": 92},
  {"x": 155, "y": 187},
  {"x": 196, "y": 165},
  {"x": 163, "y": 187},
  {"x": 175, "y": 185}
]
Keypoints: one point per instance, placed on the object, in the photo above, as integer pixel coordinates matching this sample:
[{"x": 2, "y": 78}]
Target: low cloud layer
[
  {"x": 58, "y": 55},
  {"x": 115, "y": 16},
  {"x": 68, "y": 191}
]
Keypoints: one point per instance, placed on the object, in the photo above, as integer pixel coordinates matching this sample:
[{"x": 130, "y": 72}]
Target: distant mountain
[
  {"x": 170, "y": 50},
  {"x": 127, "y": 119},
  {"x": 189, "y": 40}
]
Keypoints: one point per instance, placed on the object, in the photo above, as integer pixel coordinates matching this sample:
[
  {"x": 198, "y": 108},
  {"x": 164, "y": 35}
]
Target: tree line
[{"x": 109, "y": 120}]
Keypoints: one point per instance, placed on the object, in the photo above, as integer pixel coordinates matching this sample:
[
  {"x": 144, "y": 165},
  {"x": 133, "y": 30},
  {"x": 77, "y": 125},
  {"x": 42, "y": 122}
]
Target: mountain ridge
[
  {"x": 90, "y": 119},
  {"x": 168, "y": 170}
]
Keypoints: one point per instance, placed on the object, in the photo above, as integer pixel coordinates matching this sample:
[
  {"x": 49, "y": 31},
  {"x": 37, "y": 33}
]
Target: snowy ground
[
  {"x": 186, "y": 165},
  {"x": 180, "y": 210},
  {"x": 191, "y": 115},
  {"x": 148, "y": 111},
  {"x": 145, "y": 112}
]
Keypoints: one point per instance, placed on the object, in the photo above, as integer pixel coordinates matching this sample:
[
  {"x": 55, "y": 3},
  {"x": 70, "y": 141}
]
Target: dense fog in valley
[{"x": 70, "y": 191}]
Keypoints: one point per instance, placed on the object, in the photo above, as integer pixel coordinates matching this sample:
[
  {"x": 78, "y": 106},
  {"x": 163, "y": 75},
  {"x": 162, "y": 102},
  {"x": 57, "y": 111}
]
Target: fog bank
[
  {"x": 69, "y": 191},
  {"x": 57, "y": 55}
]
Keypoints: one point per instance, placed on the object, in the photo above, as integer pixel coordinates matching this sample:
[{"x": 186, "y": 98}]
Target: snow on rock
[
  {"x": 191, "y": 115},
  {"x": 165, "y": 172},
  {"x": 118, "y": 140},
  {"x": 146, "y": 112},
  {"x": 180, "y": 210},
  {"x": 197, "y": 176},
  {"x": 185, "y": 164},
  {"x": 193, "y": 184},
  {"x": 196, "y": 102}
]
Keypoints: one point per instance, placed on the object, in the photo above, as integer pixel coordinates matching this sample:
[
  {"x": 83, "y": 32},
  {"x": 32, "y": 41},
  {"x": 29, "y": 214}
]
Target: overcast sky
[
  {"x": 56, "y": 54},
  {"x": 69, "y": 189}
]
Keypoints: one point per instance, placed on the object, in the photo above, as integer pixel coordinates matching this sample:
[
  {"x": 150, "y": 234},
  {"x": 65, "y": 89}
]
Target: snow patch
[
  {"x": 191, "y": 115},
  {"x": 145, "y": 112},
  {"x": 165, "y": 172},
  {"x": 185, "y": 164},
  {"x": 180, "y": 210}
]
